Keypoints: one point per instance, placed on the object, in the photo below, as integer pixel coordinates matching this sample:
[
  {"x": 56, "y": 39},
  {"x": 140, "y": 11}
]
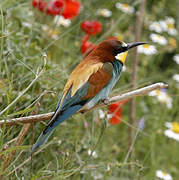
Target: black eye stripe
[{"x": 124, "y": 48}]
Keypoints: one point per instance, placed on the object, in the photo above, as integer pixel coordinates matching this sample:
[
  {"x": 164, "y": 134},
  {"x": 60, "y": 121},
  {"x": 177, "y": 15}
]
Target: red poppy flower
[
  {"x": 40, "y": 4},
  {"x": 55, "y": 7},
  {"x": 71, "y": 9},
  {"x": 85, "y": 38},
  {"x": 91, "y": 27},
  {"x": 116, "y": 117},
  {"x": 35, "y": 3},
  {"x": 115, "y": 110},
  {"x": 87, "y": 47}
]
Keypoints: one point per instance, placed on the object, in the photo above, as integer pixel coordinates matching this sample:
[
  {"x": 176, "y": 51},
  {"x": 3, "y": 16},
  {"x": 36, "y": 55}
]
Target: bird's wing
[
  {"x": 99, "y": 80},
  {"x": 86, "y": 81}
]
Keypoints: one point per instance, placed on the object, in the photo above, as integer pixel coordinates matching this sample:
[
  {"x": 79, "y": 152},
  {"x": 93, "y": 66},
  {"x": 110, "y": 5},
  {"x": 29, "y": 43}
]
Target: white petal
[
  {"x": 172, "y": 32},
  {"x": 176, "y": 58},
  {"x": 169, "y": 125},
  {"x": 155, "y": 26},
  {"x": 169, "y": 133},
  {"x": 170, "y": 20},
  {"x": 163, "y": 175}
]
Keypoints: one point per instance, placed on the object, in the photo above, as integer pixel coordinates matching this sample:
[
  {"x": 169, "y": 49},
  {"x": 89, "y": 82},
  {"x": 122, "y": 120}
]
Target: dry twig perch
[{"x": 46, "y": 116}]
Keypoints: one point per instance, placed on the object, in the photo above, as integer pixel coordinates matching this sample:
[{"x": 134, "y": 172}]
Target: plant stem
[{"x": 139, "y": 23}]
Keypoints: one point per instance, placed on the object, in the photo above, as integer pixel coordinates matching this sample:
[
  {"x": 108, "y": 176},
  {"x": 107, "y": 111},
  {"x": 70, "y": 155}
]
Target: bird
[{"x": 89, "y": 83}]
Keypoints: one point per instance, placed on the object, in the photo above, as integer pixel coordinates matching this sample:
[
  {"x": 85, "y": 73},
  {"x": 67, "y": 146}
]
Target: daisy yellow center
[
  {"x": 172, "y": 42},
  {"x": 156, "y": 25},
  {"x": 175, "y": 127},
  {"x": 170, "y": 26},
  {"x": 159, "y": 37},
  {"x": 146, "y": 46},
  {"x": 125, "y": 5},
  {"x": 102, "y": 12},
  {"x": 164, "y": 173}
]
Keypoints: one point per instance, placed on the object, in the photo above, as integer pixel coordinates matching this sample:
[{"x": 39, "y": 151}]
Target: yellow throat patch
[{"x": 122, "y": 56}]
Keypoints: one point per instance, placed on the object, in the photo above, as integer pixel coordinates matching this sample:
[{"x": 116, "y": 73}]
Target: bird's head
[{"x": 114, "y": 49}]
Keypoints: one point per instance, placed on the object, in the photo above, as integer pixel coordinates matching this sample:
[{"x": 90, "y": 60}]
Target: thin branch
[{"x": 47, "y": 116}]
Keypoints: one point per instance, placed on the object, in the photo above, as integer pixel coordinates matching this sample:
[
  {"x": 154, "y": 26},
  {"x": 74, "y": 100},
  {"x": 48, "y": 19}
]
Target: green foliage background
[{"x": 66, "y": 157}]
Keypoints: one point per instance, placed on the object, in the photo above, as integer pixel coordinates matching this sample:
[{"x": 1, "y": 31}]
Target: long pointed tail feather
[
  {"x": 57, "y": 118},
  {"x": 42, "y": 139}
]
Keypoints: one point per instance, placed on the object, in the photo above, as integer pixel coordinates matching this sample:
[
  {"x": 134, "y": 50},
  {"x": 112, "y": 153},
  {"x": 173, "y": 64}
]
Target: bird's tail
[
  {"x": 57, "y": 118},
  {"x": 42, "y": 139}
]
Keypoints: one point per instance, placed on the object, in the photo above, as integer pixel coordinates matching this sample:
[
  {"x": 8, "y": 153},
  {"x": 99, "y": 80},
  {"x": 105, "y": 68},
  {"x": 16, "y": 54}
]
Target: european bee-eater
[{"x": 90, "y": 82}]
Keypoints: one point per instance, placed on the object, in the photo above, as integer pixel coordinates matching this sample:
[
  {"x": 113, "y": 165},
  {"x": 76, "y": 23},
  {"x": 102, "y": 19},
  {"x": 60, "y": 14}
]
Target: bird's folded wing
[
  {"x": 86, "y": 81},
  {"x": 99, "y": 80}
]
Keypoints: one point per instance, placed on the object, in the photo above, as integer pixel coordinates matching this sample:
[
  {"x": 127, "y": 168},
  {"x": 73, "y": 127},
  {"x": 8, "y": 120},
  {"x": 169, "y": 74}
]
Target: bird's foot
[
  {"x": 82, "y": 111},
  {"x": 105, "y": 101}
]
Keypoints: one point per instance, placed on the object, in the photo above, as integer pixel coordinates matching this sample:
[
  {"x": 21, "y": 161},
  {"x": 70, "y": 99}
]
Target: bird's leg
[{"x": 105, "y": 101}]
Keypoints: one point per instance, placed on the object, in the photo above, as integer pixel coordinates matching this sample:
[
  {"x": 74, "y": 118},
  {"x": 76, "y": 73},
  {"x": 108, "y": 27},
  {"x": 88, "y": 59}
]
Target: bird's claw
[
  {"x": 82, "y": 111},
  {"x": 105, "y": 101}
]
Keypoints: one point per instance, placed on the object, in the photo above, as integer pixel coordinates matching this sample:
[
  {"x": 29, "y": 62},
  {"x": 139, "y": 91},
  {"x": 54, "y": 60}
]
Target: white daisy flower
[
  {"x": 163, "y": 25},
  {"x": 101, "y": 114},
  {"x": 174, "y": 126},
  {"x": 158, "y": 39},
  {"x": 94, "y": 154},
  {"x": 171, "y": 30},
  {"x": 163, "y": 175},
  {"x": 170, "y": 20},
  {"x": 168, "y": 25},
  {"x": 176, "y": 77},
  {"x": 147, "y": 49},
  {"x": 104, "y": 12},
  {"x": 162, "y": 96},
  {"x": 155, "y": 26},
  {"x": 176, "y": 58},
  {"x": 60, "y": 20},
  {"x": 169, "y": 133},
  {"x": 125, "y": 8}
]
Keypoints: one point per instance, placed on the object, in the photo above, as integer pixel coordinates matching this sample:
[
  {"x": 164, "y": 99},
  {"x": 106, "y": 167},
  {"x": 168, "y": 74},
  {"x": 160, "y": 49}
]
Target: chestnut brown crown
[{"x": 108, "y": 49}]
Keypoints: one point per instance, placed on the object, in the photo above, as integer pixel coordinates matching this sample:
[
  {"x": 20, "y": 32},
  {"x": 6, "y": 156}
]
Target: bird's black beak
[{"x": 134, "y": 44}]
